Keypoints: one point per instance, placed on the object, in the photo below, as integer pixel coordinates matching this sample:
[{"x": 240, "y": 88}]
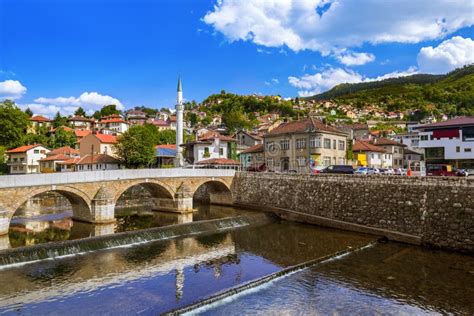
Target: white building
[
  {"x": 449, "y": 142},
  {"x": 116, "y": 125},
  {"x": 369, "y": 155},
  {"x": 210, "y": 146},
  {"x": 25, "y": 159},
  {"x": 411, "y": 140}
]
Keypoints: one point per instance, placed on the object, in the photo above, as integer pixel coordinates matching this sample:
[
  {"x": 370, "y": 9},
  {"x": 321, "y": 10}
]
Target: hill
[{"x": 452, "y": 93}]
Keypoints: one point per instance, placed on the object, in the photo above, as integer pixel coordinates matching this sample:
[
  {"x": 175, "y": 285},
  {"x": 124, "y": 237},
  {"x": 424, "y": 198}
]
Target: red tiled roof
[
  {"x": 80, "y": 118},
  {"x": 166, "y": 146},
  {"x": 71, "y": 161},
  {"x": 94, "y": 159},
  {"x": 39, "y": 118},
  {"x": 105, "y": 138},
  {"x": 254, "y": 149},
  {"x": 218, "y": 161},
  {"x": 459, "y": 121},
  {"x": 173, "y": 118},
  {"x": 366, "y": 146},
  {"x": 385, "y": 141},
  {"x": 159, "y": 123},
  {"x": 81, "y": 132},
  {"x": 66, "y": 150},
  {"x": 112, "y": 120},
  {"x": 55, "y": 157},
  {"x": 211, "y": 135},
  {"x": 22, "y": 149},
  {"x": 303, "y": 126}
]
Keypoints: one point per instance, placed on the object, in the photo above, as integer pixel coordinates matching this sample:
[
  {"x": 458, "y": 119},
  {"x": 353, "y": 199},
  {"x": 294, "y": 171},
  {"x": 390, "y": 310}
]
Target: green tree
[
  {"x": 14, "y": 123},
  {"x": 62, "y": 138},
  {"x": 3, "y": 161},
  {"x": 136, "y": 147},
  {"x": 109, "y": 110},
  {"x": 29, "y": 112},
  {"x": 59, "y": 120},
  {"x": 80, "y": 112}
]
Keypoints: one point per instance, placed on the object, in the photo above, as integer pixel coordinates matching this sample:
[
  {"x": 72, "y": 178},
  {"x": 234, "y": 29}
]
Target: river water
[{"x": 164, "y": 275}]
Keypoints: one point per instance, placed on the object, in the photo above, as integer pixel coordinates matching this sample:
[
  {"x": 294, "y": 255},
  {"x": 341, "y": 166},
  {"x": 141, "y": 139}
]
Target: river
[{"x": 162, "y": 275}]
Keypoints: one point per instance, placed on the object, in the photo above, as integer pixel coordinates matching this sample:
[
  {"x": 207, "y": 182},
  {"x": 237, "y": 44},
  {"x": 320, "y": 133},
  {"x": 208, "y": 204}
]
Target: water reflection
[
  {"x": 158, "y": 276},
  {"x": 49, "y": 218}
]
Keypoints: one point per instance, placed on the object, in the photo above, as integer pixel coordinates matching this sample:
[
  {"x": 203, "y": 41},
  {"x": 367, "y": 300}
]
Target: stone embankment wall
[{"x": 431, "y": 211}]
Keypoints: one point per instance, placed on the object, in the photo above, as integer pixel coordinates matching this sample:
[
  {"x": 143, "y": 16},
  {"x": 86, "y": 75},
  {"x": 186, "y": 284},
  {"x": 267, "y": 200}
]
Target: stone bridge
[{"x": 93, "y": 194}]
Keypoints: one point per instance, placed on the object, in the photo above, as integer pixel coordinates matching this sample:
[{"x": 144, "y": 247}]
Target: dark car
[{"x": 341, "y": 169}]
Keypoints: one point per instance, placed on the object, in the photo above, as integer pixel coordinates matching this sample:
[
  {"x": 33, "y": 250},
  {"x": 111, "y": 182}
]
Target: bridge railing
[{"x": 107, "y": 175}]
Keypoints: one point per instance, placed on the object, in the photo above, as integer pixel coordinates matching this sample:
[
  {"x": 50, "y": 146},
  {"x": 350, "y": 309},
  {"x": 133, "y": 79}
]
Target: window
[
  {"x": 458, "y": 149},
  {"x": 300, "y": 143},
  {"x": 424, "y": 137},
  {"x": 249, "y": 158},
  {"x": 270, "y": 162},
  {"x": 334, "y": 142},
  {"x": 270, "y": 146},
  {"x": 327, "y": 160},
  {"x": 206, "y": 152},
  {"x": 372, "y": 156},
  {"x": 301, "y": 161},
  {"x": 342, "y": 145},
  {"x": 342, "y": 161},
  {"x": 327, "y": 143},
  {"x": 434, "y": 152},
  {"x": 37, "y": 151},
  {"x": 467, "y": 150},
  {"x": 315, "y": 142},
  {"x": 285, "y": 144},
  {"x": 468, "y": 134},
  {"x": 221, "y": 151}
]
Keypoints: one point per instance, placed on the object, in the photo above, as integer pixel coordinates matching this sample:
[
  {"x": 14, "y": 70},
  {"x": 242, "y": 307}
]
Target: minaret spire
[{"x": 179, "y": 161}]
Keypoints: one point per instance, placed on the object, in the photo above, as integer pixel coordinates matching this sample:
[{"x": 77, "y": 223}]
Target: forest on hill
[{"x": 452, "y": 93}]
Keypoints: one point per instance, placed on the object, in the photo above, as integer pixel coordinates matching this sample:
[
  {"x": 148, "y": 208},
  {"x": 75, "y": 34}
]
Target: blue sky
[{"x": 57, "y": 55}]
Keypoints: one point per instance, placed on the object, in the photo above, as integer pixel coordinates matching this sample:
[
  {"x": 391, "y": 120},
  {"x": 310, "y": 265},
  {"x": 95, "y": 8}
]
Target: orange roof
[
  {"x": 80, "y": 118},
  {"x": 211, "y": 135},
  {"x": 23, "y": 149},
  {"x": 64, "y": 128},
  {"x": 166, "y": 146},
  {"x": 366, "y": 146},
  {"x": 82, "y": 133},
  {"x": 66, "y": 150},
  {"x": 71, "y": 161},
  {"x": 105, "y": 138},
  {"x": 218, "y": 161},
  {"x": 99, "y": 158},
  {"x": 385, "y": 141},
  {"x": 254, "y": 149},
  {"x": 39, "y": 118},
  {"x": 112, "y": 120},
  {"x": 303, "y": 126},
  {"x": 56, "y": 157}
]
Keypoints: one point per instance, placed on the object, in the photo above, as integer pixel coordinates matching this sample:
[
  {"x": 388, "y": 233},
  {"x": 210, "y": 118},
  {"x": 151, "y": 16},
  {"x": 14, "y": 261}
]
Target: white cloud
[
  {"x": 309, "y": 85},
  {"x": 275, "y": 81},
  {"x": 90, "y": 101},
  {"x": 322, "y": 81},
  {"x": 450, "y": 54},
  {"x": 298, "y": 24},
  {"x": 11, "y": 89},
  {"x": 355, "y": 59}
]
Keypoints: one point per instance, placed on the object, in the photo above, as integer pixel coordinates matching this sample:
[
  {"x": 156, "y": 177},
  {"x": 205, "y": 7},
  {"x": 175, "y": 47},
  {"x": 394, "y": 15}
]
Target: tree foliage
[
  {"x": 59, "y": 120},
  {"x": 14, "y": 124},
  {"x": 107, "y": 110},
  {"x": 136, "y": 147},
  {"x": 29, "y": 112},
  {"x": 80, "y": 112},
  {"x": 62, "y": 138}
]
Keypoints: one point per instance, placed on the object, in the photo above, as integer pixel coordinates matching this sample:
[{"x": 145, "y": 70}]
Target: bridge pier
[
  {"x": 220, "y": 198},
  {"x": 182, "y": 203},
  {"x": 100, "y": 211},
  {"x": 4, "y": 222}
]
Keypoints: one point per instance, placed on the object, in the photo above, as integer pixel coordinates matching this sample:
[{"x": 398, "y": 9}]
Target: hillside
[{"x": 452, "y": 93}]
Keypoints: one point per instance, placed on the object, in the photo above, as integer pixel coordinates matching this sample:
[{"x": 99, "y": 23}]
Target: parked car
[
  {"x": 362, "y": 170},
  {"x": 388, "y": 171},
  {"x": 443, "y": 170},
  {"x": 462, "y": 173},
  {"x": 340, "y": 169}
]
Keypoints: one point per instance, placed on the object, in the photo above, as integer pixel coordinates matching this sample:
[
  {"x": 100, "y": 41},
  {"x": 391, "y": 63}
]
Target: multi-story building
[
  {"x": 25, "y": 159},
  {"x": 246, "y": 140},
  {"x": 136, "y": 117},
  {"x": 81, "y": 122},
  {"x": 449, "y": 142},
  {"x": 96, "y": 143},
  {"x": 368, "y": 155},
  {"x": 210, "y": 146},
  {"x": 253, "y": 158},
  {"x": 113, "y": 125},
  {"x": 37, "y": 122},
  {"x": 411, "y": 140},
  {"x": 294, "y": 146},
  {"x": 51, "y": 163},
  {"x": 391, "y": 147}
]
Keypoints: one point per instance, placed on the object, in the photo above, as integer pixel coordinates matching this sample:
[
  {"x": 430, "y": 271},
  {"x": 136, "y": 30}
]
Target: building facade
[
  {"x": 449, "y": 142},
  {"x": 368, "y": 155},
  {"x": 97, "y": 144},
  {"x": 300, "y": 145},
  {"x": 25, "y": 159},
  {"x": 391, "y": 147}
]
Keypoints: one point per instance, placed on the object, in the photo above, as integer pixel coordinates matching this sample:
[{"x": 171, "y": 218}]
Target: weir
[{"x": 71, "y": 247}]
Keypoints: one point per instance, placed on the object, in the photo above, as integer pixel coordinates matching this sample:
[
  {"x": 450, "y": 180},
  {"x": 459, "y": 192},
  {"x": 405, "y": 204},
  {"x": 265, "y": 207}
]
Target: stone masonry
[{"x": 436, "y": 212}]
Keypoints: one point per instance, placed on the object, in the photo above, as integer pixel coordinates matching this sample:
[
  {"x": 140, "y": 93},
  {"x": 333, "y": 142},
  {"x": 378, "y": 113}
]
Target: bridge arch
[
  {"x": 80, "y": 201},
  {"x": 213, "y": 191},
  {"x": 157, "y": 189}
]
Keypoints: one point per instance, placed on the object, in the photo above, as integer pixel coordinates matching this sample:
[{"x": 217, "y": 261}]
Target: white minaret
[{"x": 179, "y": 161}]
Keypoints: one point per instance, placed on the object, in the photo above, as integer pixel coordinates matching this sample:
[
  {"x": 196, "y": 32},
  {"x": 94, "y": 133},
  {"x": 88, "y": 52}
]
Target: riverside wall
[{"x": 431, "y": 211}]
